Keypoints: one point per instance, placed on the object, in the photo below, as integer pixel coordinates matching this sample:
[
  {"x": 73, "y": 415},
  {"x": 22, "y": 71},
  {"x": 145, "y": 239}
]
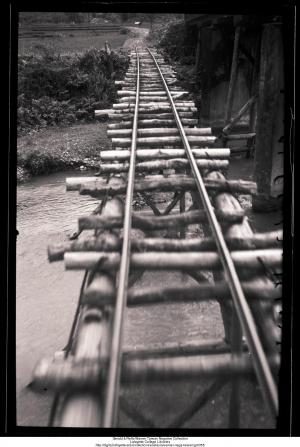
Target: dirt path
[{"x": 137, "y": 38}]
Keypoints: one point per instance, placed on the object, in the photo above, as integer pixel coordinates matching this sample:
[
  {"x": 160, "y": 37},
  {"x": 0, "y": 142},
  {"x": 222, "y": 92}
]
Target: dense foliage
[
  {"x": 179, "y": 42},
  {"x": 55, "y": 89}
]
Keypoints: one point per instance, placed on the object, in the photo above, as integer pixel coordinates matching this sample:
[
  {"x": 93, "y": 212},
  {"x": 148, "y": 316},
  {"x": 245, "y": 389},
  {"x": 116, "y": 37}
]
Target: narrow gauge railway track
[{"x": 158, "y": 148}]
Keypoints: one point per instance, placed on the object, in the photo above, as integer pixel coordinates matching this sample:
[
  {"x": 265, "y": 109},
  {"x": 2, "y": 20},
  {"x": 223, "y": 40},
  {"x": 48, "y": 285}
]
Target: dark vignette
[{"x": 287, "y": 421}]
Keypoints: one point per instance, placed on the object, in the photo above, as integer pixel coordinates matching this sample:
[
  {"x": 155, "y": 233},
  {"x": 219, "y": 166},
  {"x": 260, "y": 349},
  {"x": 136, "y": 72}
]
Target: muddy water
[{"x": 47, "y": 295}]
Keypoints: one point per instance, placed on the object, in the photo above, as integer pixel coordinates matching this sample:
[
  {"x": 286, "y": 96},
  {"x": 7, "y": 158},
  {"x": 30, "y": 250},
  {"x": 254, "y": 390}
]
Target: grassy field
[{"x": 75, "y": 42}]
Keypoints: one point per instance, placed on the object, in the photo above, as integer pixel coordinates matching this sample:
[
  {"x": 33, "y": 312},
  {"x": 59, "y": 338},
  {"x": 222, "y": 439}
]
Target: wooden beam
[
  {"x": 198, "y": 51},
  {"x": 268, "y": 161},
  {"x": 111, "y": 242},
  {"x": 69, "y": 375},
  {"x": 250, "y": 262},
  {"x": 240, "y": 113},
  {"x": 233, "y": 75},
  {"x": 150, "y": 223},
  {"x": 96, "y": 188},
  {"x": 158, "y": 154}
]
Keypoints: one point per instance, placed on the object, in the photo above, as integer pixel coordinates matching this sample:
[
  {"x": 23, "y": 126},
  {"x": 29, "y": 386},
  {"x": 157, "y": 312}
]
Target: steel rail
[
  {"x": 261, "y": 366},
  {"x": 113, "y": 381}
]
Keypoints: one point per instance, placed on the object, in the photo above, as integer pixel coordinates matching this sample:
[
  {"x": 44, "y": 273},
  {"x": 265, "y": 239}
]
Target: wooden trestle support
[{"x": 78, "y": 375}]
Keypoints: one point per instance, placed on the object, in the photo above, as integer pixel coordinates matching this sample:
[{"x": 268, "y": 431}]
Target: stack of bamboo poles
[{"x": 80, "y": 377}]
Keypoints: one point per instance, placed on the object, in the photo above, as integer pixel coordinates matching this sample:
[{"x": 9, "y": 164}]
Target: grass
[
  {"x": 43, "y": 149},
  {"x": 74, "y": 42},
  {"x": 60, "y": 148}
]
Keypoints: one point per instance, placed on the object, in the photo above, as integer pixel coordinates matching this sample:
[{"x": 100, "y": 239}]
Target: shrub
[
  {"x": 179, "y": 42},
  {"x": 55, "y": 89}
]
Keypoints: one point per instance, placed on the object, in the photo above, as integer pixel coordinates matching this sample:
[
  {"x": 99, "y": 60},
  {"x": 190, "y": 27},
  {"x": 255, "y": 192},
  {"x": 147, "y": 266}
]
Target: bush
[
  {"x": 54, "y": 89},
  {"x": 179, "y": 42}
]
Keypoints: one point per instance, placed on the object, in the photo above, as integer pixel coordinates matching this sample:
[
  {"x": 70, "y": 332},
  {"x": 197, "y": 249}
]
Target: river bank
[{"x": 59, "y": 149}]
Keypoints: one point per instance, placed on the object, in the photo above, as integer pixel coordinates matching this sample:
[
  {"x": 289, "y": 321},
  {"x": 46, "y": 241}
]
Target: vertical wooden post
[
  {"x": 198, "y": 51},
  {"x": 206, "y": 55},
  {"x": 233, "y": 75},
  {"x": 268, "y": 160},
  {"x": 254, "y": 83},
  {"x": 253, "y": 91}
]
